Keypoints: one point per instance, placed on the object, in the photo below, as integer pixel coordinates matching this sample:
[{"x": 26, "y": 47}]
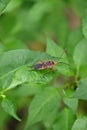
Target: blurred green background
[{"x": 27, "y": 23}]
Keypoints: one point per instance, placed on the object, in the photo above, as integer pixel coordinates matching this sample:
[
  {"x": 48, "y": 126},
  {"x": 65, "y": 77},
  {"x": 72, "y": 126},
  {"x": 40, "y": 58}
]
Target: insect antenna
[
  {"x": 64, "y": 63},
  {"x": 61, "y": 58},
  {"x": 62, "y": 54}
]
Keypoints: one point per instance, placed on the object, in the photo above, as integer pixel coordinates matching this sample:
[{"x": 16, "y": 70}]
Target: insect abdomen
[{"x": 39, "y": 67}]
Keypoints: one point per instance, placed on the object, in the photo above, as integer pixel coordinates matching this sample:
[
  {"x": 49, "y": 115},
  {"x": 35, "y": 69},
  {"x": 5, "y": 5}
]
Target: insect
[
  {"x": 42, "y": 65},
  {"x": 45, "y": 65}
]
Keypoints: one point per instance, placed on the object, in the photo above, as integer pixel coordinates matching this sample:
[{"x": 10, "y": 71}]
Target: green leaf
[
  {"x": 65, "y": 69},
  {"x": 72, "y": 103},
  {"x": 81, "y": 92},
  {"x": 84, "y": 24},
  {"x": 9, "y": 107},
  {"x": 22, "y": 57},
  {"x": 3, "y": 4},
  {"x": 74, "y": 38},
  {"x": 28, "y": 90},
  {"x": 54, "y": 50},
  {"x": 80, "y": 124},
  {"x": 16, "y": 68},
  {"x": 64, "y": 120},
  {"x": 13, "y": 5},
  {"x": 80, "y": 57},
  {"x": 4, "y": 119},
  {"x": 43, "y": 107},
  {"x": 23, "y": 75}
]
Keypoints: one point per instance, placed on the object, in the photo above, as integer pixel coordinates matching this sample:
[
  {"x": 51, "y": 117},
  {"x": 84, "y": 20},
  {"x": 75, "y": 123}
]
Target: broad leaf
[
  {"x": 81, "y": 92},
  {"x": 43, "y": 107},
  {"x": 80, "y": 124},
  {"x": 16, "y": 67},
  {"x": 64, "y": 120},
  {"x": 9, "y": 107},
  {"x": 3, "y": 4},
  {"x": 23, "y": 75}
]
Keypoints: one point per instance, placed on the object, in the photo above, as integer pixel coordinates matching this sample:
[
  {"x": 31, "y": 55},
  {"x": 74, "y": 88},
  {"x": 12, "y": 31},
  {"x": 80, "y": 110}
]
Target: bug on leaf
[
  {"x": 49, "y": 64},
  {"x": 45, "y": 65}
]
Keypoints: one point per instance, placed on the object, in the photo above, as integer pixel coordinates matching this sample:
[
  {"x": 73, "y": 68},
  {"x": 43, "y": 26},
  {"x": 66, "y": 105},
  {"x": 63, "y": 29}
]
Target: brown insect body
[{"x": 45, "y": 65}]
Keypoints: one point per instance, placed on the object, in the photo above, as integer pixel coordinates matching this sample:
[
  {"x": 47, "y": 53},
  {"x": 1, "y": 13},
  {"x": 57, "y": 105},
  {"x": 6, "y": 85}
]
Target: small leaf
[
  {"x": 80, "y": 124},
  {"x": 81, "y": 92},
  {"x": 9, "y": 107},
  {"x": 43, "y": 107},
  {"x": 3, "y": 4},
  {"x": 54, "y": 50}
]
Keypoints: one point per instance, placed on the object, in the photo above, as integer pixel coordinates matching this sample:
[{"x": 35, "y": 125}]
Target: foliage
[{"x": 53, "y": 96}]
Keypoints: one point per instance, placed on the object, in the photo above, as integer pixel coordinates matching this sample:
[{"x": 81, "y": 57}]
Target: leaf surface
[
  {"x": 80, "y": 53},
  {"x": 9, "y": 107},
  {"x": 84, "y": 23},
  {"x": 16, "y": 67},
  {"x": 64, "y": 120},
  {"x": 56, "y": 51},
  {"x": 3, "y": 4},
  {"x": 72, "y": 103},
  {"x": 80, "y": 124},
  {"x": 43, "y": 107},
  {"x": 81, "y": 92}
]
